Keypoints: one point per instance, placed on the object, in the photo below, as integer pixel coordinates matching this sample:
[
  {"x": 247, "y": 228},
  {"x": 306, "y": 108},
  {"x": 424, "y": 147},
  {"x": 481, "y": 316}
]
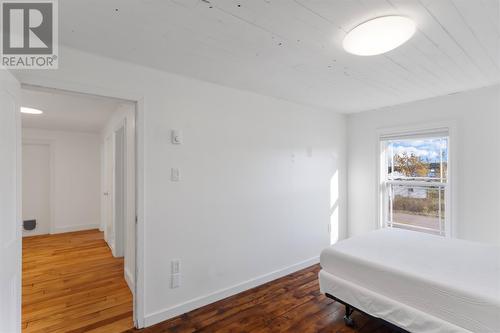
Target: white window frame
[{"x": 415, "y": 131}]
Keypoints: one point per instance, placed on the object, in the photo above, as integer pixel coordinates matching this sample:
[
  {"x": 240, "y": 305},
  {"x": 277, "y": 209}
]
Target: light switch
[
  {"x": 176, "y": 137},
  {"x": 175, "y": 175},
  {"x": 176, "y": 266},
  {"x": 309, "y": 151}
]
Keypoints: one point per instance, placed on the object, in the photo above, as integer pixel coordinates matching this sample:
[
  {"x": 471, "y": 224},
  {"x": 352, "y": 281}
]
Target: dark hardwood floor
[
  {"x": 72, "y": 283},
  {"x": 290, "y": 304}
]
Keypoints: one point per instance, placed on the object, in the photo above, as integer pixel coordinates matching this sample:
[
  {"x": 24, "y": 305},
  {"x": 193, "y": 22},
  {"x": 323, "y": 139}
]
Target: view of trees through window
[{"x": 416, "y": 182}]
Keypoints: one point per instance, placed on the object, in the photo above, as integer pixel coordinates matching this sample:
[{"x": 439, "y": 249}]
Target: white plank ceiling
[{"x": 292, "y": 49}]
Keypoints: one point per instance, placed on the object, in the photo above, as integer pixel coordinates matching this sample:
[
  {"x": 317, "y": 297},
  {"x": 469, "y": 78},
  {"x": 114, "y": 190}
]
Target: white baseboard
[
  {"x": 129, "y": 280},
  {"x": 162, "y": 315},
  {"x": 71, "y": 228}
]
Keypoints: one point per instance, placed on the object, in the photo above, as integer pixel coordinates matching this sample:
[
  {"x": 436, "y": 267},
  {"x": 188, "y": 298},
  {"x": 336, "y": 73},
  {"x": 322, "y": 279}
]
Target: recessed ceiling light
[
  {"x": 30, "y": 110},
  {"x": 379, "y": 35}
]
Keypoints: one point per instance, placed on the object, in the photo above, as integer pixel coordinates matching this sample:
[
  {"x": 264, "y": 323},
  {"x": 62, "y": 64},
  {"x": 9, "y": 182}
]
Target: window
[{"x": 415, "y": 182}]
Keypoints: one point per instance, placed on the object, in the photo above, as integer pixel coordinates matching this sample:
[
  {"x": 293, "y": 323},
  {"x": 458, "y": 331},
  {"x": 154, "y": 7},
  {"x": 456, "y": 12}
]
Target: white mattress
[{"x": 453, "y": 280}]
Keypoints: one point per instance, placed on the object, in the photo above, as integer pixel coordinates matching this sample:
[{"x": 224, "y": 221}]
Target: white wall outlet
[
  {"x": 176, "y": 137},
  {"x": 175, "y": 266},
  {"x": 175, "y": 281},
  {"x": 175, "y": 175}
]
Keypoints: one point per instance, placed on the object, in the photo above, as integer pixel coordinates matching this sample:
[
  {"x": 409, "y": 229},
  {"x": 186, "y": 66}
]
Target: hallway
[{"x": 72, "y": 283}]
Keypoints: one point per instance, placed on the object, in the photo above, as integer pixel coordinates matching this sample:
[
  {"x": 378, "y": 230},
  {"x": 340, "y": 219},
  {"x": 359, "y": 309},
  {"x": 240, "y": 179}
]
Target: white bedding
[{"x": 452, "y": 281}]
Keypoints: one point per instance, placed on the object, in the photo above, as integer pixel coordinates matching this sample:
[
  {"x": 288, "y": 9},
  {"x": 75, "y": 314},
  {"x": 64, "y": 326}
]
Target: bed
[{"x": 415, "y": 281}]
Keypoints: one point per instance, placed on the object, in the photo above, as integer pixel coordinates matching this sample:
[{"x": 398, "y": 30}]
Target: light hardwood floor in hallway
[{"x": 72, "y": 283}]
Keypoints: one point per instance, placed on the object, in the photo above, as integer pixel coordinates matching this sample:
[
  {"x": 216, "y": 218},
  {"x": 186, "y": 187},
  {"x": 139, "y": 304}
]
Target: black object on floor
[{"x": 29, "y": 224}]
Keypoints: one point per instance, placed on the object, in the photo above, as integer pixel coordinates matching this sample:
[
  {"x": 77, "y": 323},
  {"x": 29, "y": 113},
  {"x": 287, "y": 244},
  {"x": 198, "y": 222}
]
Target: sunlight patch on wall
[{"x": 334, "y": 208}]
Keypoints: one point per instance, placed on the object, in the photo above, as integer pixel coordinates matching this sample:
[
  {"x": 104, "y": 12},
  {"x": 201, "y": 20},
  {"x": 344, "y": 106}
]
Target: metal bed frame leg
[
  {"x": 349, "y": 309},
  {"x": 347, "y": 318}
]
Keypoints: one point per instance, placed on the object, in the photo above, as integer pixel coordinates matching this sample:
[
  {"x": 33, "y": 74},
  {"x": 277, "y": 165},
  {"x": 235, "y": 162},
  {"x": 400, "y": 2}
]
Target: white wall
[
  {"x": 76, "y": 175},
  {"x": 477, "y": 117},
  {"x": 125, "y": 113},
  {"x": 254, "y": 198},
  {"x": 36, "y": 187}
]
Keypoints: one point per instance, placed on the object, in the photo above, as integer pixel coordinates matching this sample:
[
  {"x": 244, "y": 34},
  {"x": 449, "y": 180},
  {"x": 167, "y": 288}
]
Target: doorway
[{"x": 79, "y": 187}]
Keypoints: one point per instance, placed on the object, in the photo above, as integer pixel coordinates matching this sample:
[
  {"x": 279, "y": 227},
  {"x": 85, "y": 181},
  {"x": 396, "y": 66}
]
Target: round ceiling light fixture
[
  {"x": 30, "y": 110},
  {"x": 379, "y": 35}
]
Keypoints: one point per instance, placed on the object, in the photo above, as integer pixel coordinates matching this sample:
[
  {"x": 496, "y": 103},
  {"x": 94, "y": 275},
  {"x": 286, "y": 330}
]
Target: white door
[
  {"x": 36, "y": 187},
  {"x": 10, "y": 205},
  {"x": 108, "y": 191},
  {"x": 119, "y": 193}
]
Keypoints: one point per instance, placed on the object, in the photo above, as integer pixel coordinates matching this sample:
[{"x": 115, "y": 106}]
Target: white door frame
[
  {"x": 119, "y": 229},
  {"x": 11, "y": 244},
  {"x": 138, "y": 99}
]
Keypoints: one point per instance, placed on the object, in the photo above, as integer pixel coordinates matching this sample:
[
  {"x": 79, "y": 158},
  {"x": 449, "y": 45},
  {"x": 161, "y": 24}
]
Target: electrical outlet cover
[
  {"x": 175, "y": 281},
  {"x": 175, "y": 175}
]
